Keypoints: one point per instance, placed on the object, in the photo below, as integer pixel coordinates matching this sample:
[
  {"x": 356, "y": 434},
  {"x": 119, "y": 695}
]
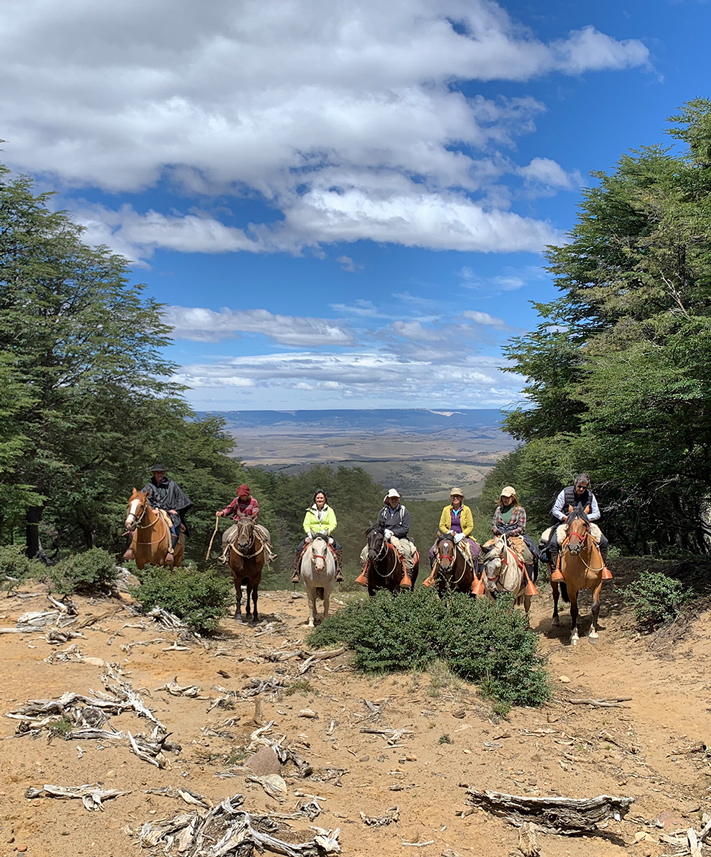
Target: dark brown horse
[
  {"x": 151, "y": 533},
  {"x": 451, "y": 568},
  {"x": 246, "y": 560},
  {"x": 384, "y": 563},
  {"x": 582, "y": 567}
]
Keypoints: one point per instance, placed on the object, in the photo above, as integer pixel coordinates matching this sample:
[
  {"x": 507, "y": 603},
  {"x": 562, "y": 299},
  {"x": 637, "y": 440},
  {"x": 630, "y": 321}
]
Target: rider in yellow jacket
[
  {"x": 458, "y": 520},
  {"x": 319, "y": 518}
]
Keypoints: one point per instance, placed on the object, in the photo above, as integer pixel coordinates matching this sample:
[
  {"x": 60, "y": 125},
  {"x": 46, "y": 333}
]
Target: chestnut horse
[
  {"x": 384, "y": 563},
  {"x": 246, "y": 560},
  {"x": 505, "y": 572},
  {"x": 582, "y": 567},
  {"x": 452, "y": 569},
  {"x": 151, "y": 533}
]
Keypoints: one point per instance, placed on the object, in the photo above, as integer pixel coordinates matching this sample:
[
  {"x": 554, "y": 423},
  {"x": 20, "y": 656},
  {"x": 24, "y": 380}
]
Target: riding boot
[
  {"x": 606, "y": 573},
  {"x": 297, "y": 567},
  {"x": 406, "y": 582},
  {"x": 339, "y": 566},
  {"x": 362, "y": 578},
  {"x": 557, "y": 574}
]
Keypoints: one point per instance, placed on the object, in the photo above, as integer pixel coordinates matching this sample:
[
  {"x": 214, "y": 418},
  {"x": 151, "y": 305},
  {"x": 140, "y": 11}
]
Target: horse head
[
  {"x": 245, "y": 534},
  {"x": 319, "y": 552},
  {"x": 578, "y": 529},
  {"x": 137, "y": 505},
  {"x": 445, "y": 552},
  {"x": 492, "y": 559},
  {"x": 375, "y": 539}
]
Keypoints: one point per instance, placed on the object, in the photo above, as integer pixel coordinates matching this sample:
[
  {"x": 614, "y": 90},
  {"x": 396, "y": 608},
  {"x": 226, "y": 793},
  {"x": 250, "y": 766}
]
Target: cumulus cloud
[
  {"x": 206, "y": 325},
  {"x": 346, "y": 118},
  {"x": 377, "y": 376},
  {"x": 549, "y": 174}
]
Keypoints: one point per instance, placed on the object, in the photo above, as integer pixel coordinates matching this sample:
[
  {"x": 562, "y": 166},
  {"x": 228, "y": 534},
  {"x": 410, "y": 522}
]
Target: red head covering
[{"x": 243, "y": 490}]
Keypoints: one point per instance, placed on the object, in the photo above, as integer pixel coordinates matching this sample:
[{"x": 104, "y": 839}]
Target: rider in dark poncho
[{"x": 165, "y": 494}]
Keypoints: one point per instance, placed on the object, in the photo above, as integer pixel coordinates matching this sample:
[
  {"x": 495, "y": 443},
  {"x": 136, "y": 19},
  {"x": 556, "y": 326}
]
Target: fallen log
[{"x": 562, "y": 814}]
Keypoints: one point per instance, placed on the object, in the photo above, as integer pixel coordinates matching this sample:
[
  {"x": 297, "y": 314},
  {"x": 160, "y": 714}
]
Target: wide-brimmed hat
[
  {"x": 508, "y": 491},
  {"x": 456, "y": 492},
  {"x": 243, "y": 490},
  {"x": 158, "y": 468},
  {"x": 392, "y": 493}
]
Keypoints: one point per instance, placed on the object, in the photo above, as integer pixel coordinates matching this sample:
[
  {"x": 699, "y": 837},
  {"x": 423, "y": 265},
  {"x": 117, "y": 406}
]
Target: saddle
[{"x": 165, "y": 517}]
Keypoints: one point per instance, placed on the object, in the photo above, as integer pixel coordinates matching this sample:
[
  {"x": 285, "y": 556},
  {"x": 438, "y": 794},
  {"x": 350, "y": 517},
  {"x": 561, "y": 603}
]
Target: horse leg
[
  {"x": 592, "y": 636},
  {"x": 238, "y": 596},
  {"x": 326, "y": 599},
  {"x": 255, "y": 593},
  {"x": 311, "y": 595},
  {"x": 556, "y": 595},
  {"x": 248, "y": 610},
  {"x": 526, "y": 603},
  {"x": 573, "y": 617}
]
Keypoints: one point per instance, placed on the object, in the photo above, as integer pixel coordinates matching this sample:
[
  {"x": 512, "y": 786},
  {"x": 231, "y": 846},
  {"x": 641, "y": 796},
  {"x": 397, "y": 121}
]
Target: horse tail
[
  {"x": 320, "y": 592},
  {"x": 564, "y": 592}
]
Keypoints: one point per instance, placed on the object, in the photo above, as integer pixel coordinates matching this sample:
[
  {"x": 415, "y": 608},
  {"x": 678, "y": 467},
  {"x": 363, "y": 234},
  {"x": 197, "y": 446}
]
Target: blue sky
[{"x": 340, "y": 204}]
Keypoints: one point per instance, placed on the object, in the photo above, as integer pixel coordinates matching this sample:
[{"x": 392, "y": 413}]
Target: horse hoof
[
  {"x": 592, "y": 637},
  {"x": 574, "y": 639},
  {"x": 555, "y": 623}
]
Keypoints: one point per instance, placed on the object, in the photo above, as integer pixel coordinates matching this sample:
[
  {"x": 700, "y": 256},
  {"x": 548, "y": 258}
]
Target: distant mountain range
[{"x": 380, "y": 420}]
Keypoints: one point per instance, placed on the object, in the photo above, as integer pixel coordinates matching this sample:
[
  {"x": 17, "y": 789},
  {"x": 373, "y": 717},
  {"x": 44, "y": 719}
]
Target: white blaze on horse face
[{"x": 132, "y": 511}]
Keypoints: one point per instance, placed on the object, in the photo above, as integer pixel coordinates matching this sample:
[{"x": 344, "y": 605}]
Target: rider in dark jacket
[
  {"x": 165, "y": 494},
  {"x": 570, "y": 497}
]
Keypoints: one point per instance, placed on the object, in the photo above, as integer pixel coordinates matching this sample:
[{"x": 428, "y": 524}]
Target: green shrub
[
  {"x": 656, "y": 598},
  {"x": 91, "y": 571},
  {"x": 200, "y": 599},
  {"x": 15, "y": 567},
  {"x": 487, "y": 643}
]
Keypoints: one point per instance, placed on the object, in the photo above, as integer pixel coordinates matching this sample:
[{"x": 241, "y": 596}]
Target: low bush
[
  {"x": 15, "y": 567},
  {"x": 92, "y": 571},
  {"x": 656, "y": 598},
  {"x": 200, "y": 599},
  {"x": 487, "y": 643}
]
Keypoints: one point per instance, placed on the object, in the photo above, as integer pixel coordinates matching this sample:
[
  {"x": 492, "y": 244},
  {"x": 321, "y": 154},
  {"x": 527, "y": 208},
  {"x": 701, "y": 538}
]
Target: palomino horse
[
  {"x": 318, "y": 571},
  {"x": 246, "y": 560},
  {"x": 582, "y": 567},
  {"x": 505, "y": 572},
  {"x": 385, "y": 566},
  {"x": 151, "y": 533},
  {"x": 452, "y": 569}
]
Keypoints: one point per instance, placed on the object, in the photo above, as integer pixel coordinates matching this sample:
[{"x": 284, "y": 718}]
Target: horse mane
[{"x": 579, "y": 512}]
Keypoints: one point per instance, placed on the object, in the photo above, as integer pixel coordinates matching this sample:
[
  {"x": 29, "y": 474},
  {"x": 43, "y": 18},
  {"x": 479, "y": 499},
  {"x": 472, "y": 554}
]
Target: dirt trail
[{"x": 571, "y": 750}]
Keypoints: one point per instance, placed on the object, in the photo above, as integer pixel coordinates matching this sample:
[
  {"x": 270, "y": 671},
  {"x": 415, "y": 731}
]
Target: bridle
[
  {"x": 382, "y": 554},
  {"x": 137, "y": 519},
  {"x": 452, "y": 561},
  {"x": 581, "y": 540},
  {"x": 250, "y": 543}
]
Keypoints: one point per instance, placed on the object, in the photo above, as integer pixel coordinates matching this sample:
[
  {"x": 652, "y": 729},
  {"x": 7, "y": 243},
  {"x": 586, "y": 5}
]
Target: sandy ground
[{"x": 641, "y": 750}]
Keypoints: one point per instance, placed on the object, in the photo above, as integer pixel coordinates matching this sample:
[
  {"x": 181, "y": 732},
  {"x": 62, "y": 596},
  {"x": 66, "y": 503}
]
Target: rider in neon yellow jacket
[{"x": 319, "y": 518}]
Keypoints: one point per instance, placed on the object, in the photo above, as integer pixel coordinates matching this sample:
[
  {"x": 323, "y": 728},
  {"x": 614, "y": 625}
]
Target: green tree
[
  {"x": 86, "y": 351},
  {"x": 618, "y": 370}
]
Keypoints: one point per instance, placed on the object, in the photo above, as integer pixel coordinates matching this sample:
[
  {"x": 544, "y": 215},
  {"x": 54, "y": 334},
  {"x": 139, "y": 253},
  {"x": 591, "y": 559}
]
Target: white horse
[
  {"x": 318, "y": 571},
  {"x": 503, "y": 572}
]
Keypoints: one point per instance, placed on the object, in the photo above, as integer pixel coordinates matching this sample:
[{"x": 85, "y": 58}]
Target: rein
[
  {"x": 246, "y": 555},
  {"x": 148, "y": 526},
  {"x": 454, "y": 562}
]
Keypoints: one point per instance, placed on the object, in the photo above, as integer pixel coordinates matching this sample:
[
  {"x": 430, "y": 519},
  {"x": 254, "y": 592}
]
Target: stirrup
[
  {"x": 295, "y": 577},
  {"x": 557, "y": 576},
  {"x": 170, "y": 558},
  {"x": 606, "y": 573},
  {"x": 362, "y": 579},
  {"x": 339, "y": 576},
  {"x": 430, "y": 581},
  {"x": 406, "y": 582}
]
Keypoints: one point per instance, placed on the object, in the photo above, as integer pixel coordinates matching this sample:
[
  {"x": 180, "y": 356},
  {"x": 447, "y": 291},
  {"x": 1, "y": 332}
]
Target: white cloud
[
  {"x": 206, "y": 325},
  {"x": 485, "y": 319},
  {"x": 347, "y": 264},
  {"x": 360, "y": 308},
  {"x": 549, "y": 173},
  {"x": 376, "y": 376},
  {"x": 341, "y": 116}
]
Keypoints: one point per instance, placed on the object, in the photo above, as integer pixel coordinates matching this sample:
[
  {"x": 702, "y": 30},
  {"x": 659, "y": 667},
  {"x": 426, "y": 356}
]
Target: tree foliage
[
  {"x": 87, "y": 396},
  {"x": 618, "y": 370}
]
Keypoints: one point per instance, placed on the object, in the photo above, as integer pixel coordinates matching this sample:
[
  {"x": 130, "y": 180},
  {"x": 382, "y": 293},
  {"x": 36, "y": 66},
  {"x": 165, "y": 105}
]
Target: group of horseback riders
[{"x": 393, "y": 521}]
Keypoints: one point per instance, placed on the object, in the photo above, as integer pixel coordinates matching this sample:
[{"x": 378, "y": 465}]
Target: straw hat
[{"x": 456, "y": 492}]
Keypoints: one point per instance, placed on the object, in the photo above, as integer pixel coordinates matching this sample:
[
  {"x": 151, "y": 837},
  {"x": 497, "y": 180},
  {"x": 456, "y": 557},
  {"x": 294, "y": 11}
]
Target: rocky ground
[{"x": 341, "y": 725}]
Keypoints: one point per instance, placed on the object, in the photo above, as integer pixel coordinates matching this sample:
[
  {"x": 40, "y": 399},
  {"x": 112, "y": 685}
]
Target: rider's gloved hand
[
  {"x": 388, "y": 534},
  {"x": 458, "y": 537},
  {"x": 330, "y": 540},
  {"x": 309, "y": 538}
]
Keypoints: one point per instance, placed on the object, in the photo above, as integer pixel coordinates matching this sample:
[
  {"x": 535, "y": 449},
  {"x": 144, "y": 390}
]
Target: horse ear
[
  {"x": 570, "y": 508},
  {"x": 587, "y": 510}
]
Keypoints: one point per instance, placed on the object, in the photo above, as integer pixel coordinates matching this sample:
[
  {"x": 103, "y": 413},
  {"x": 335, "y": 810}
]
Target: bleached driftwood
[
  {"x": 612, "y": 702},
  {"x": 558, "y": 813},
  {"x": 226, "y": 830},
  {"x": 90, "y": 796}
]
